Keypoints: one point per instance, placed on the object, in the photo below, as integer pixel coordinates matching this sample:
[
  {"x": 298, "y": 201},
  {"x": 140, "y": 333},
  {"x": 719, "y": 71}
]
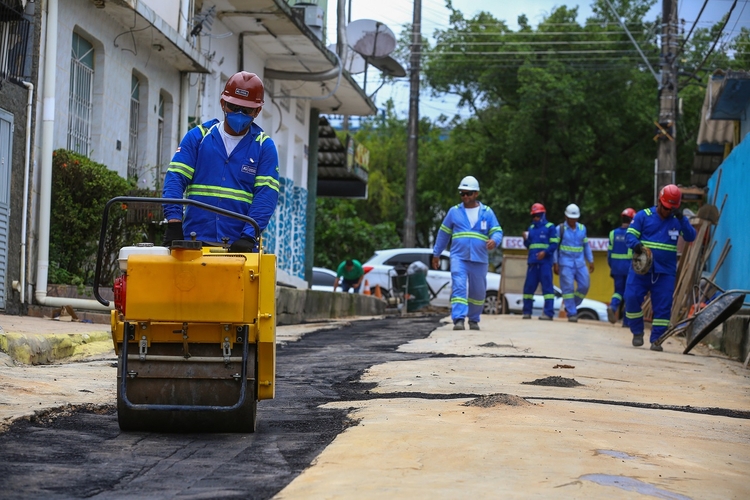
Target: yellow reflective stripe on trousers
[
  {"x": 634, "y": 315},
  {"x": 219, "y": 192},
  {"x": 459, "y": 300},
  {"x": 660, "y": 322},
  {"x": 476, "y": 302}
]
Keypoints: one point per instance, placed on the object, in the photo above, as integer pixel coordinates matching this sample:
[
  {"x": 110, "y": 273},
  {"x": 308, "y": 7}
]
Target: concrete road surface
[
  {"x": 641, "y": 423},
  {"x": 519, "y": 409}
]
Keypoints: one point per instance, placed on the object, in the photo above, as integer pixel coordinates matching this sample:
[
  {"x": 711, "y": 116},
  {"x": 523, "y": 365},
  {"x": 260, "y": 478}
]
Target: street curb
[{"x": 45, "y": 349}]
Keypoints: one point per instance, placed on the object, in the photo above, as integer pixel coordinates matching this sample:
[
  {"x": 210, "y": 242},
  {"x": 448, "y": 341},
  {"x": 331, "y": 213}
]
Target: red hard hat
[
  {"x": 244, "y": 89},
  {"x": 629, "y": 212},
  {"x": 537, "y": 208},
  {"x": 670, "y": 196}
]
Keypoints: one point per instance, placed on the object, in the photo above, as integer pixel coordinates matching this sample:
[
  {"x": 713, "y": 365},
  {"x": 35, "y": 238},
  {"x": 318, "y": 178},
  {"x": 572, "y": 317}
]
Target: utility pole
[
  {"x": 412, "y": 144},
  {"x": 667, "y": 127}
]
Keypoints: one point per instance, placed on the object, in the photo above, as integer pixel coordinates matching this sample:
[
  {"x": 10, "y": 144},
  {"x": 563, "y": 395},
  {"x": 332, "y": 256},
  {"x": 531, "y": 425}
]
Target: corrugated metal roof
[{"x": 717, "y": 132}]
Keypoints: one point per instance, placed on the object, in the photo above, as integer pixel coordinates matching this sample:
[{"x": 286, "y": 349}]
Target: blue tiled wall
[
  {"x": 285, "y": 235},
  {"x": 735, "y": 184}
]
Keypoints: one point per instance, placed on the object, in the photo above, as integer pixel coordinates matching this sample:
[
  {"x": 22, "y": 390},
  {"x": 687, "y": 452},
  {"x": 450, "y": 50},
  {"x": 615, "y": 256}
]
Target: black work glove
[
  {"x": 679, "y": 213},
  {"x": 173, "y": 232},
  {"x": 638, "y": 249},
  {"x": 246, "y": 244}
]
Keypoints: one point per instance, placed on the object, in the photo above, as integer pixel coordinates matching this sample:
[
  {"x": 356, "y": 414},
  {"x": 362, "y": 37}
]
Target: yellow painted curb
[{"x": 48, "y": 348}]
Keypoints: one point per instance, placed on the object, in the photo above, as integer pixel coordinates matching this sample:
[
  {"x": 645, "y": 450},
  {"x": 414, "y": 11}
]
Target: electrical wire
[
  {"x": 718, "y": 37},
  {"x": 684, "y": 41}
]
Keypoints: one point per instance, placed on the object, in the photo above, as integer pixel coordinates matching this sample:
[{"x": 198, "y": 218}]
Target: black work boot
[
  {"x": 656, "y": 347},
  {"x": 459, "y": 325},
  {"x": 473, "y": 325},
  {"x": 638, "y": 340}
]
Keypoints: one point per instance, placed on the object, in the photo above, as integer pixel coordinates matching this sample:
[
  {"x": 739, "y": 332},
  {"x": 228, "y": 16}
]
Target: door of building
[{"x": 6, "y": 139}]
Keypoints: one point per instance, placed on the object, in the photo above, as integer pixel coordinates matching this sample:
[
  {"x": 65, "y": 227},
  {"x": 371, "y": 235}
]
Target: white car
[
  {"x": 379, "y": 270},
  {"x": 323, "y": 280},
  {"x": 589, "y": 309}
]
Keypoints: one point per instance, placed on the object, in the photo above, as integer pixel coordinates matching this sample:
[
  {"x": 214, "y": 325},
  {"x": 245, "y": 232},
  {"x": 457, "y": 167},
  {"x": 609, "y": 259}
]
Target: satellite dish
[
  {"x": 370, "y": 38},
  {"x": 388, "y": 65},
  {"x": 354, "y": 62}
]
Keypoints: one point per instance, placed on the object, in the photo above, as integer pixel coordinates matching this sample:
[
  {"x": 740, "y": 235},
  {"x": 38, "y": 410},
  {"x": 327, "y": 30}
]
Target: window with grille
[
  {"x": 81, "y": 95},
  {"x": 16, "y": 38},
  {"x": 135, "y": 89},
  {"x": 299, "y": 111},
  {"x": 284, "y": 101}
]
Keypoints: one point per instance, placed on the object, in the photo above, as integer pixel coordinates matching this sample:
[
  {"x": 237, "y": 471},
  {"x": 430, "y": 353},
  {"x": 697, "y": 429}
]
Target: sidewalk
[
  {"x": 31, "y": 340},
  {"x": 34, "y": 341},
  {"x": 562, "y": 410}
]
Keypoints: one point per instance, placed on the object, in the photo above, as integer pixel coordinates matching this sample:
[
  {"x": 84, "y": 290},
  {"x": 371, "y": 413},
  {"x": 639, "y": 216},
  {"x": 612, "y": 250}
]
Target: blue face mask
[{"x": 238, "y": 121}]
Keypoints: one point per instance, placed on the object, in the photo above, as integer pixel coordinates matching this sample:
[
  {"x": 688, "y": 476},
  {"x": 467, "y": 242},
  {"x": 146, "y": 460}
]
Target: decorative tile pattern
[{"x": 286, "y": 232}]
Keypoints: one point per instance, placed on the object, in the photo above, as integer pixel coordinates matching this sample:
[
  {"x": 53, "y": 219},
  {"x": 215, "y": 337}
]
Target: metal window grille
[
  {"x": 160, "y": 140},
  {"x": 284, "y": 101},
  {"x": 299, "y": 111},
  {"x": 133, "y": 131},
  {"x": 81, "y": 96},
  {"x": 15, "y": 39}
]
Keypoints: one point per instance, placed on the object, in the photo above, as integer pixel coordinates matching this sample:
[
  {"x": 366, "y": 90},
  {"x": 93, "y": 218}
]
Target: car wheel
[
  {"x": 490, "y": 304},
  {"x": 587, "y": 314}
]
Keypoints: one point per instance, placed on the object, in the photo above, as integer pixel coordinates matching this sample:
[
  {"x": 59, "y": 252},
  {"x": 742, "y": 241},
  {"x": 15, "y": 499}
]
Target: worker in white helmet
[
  {"x": 571, "y": 258},
  {"x": 472, "y": 229}
]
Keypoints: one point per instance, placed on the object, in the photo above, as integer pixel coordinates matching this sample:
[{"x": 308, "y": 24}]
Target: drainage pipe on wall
[
  {"x": 26, "y": 167},
  {"x": 45, "y": 173}
]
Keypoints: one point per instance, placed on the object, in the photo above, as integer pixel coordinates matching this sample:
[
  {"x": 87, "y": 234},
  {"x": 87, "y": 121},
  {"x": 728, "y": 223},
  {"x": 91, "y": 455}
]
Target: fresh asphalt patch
[{"x": 80, "y": 452}]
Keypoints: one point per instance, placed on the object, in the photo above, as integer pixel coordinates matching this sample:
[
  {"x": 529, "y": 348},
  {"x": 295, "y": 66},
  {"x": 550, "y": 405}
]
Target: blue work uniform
[
  {"x": 245, "y": 182},
  {"x": 660, "y": 236},
  {"x": 469, "y": 260},
  {"x": 572, "y": 254},
  {"x": 619, "y": 257},
  {"x": 542, "y": 237}
]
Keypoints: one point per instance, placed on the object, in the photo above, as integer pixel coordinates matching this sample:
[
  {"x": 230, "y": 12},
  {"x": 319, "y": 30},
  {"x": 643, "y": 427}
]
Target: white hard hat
[
  {"x": 573, "y": 211},
  {"x": 469, "y": 183}
]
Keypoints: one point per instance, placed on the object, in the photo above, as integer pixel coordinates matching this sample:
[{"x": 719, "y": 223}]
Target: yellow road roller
[{"x": 194, "y": 329}]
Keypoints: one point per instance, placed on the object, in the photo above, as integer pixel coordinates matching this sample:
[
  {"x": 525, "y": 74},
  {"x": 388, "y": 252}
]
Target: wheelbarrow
[{"x": 716, "y": 312}]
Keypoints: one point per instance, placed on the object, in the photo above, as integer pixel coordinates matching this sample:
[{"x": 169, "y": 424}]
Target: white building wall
[
  {"x": 115, "y": 61},
  {"x": 116, "y": 57}
]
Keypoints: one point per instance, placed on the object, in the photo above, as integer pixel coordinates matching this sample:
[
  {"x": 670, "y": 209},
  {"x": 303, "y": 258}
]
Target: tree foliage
[
  {"x": 562, "y": 112},
  {"x": 80, "y": 189}
]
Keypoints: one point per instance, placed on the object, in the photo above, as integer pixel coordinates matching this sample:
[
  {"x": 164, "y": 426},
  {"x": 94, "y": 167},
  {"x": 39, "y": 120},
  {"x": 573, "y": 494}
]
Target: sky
[{"x": 396, "y": 13}]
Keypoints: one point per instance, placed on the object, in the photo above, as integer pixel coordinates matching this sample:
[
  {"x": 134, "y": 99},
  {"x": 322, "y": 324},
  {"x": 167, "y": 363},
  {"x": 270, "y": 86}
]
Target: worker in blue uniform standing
[
  {"x": 472, "y": 229},
  {"x": 618, "y": 258},
  {"x": 230, "y": 164},
  {"x": 541, "y": 239},
  {"x": 658, "y": 229},
  {"x": 571, "y": 258}
]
